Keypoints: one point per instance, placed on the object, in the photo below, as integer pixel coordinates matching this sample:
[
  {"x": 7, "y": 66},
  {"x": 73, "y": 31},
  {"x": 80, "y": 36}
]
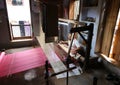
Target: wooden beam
[{"x": 110, "y": 26}]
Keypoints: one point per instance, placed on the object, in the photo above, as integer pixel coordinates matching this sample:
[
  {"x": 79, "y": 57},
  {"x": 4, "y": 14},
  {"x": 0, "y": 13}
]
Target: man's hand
[{"x": 73, "y": 51}]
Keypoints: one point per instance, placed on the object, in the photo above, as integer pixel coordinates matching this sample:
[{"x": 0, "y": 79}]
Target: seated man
[{"x": 77, "y": 49}]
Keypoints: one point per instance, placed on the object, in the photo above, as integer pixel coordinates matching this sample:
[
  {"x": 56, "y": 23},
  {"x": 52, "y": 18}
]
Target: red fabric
[{"x": 21, "y": 61}]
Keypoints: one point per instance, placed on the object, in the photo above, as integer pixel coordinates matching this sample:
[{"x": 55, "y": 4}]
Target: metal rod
[
  {"x": 62, "y": 71},
  {"x": 68, "y": 57},
  {"x": 83, "y": 37},
  {"x": 47, "y": 72}
]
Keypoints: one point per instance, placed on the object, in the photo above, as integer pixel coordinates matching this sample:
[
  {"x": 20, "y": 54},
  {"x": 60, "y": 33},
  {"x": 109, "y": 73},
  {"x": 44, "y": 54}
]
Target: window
[
  {"x": 17, "y": 2},
  {"x": 107, "y": 30},
  {"x": 115, "y": 47},
  {"x": 20, "y": 30},
  {"x": 19, "y": 19}
]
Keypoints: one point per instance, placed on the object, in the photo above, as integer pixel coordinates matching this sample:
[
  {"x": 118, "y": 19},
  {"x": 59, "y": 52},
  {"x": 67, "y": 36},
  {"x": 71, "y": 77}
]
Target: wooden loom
[{"x": 88, "y": 41}]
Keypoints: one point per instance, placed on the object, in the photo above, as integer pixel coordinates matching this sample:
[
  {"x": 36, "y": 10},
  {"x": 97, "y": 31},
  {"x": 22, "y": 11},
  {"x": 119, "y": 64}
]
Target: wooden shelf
[
  {"x": 71, "y": 21},
  {"x": 87, "y": 21}
]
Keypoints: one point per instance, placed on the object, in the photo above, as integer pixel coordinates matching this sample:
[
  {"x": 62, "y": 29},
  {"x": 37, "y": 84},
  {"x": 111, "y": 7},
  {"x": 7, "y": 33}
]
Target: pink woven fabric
[{"x": 21, "y": 61}]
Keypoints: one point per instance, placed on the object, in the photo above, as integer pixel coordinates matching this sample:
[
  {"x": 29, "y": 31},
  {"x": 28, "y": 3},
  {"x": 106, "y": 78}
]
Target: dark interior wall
[
  {"x": 5, "y": 40},
  {"x": 50, "y": 19},
  {"x": 4, "y": 32},
  {"x": 35, "y": 23},
  {"x": 63, "y": 7},
  {"x": 35, "y": 16}
]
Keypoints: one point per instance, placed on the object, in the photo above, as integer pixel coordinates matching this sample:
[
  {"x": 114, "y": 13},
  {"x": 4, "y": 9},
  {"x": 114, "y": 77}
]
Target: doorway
[{"x": 19, "y": 17}]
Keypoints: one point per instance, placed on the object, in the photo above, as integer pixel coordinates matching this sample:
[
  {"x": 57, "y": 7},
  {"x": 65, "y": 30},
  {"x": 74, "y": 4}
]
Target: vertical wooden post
[{"x": 47, "y": 72}]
